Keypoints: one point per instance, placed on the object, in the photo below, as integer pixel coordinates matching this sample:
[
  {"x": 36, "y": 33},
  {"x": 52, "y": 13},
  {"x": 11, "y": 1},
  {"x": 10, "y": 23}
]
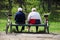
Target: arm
[
  {"x": 24, "y": 17},
  {"x": 40, "y": 17},
  {"x": 28, "y": 18}
]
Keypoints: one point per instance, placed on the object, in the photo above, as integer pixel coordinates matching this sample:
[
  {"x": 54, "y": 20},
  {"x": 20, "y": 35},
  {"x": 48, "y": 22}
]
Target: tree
[{"x": 3, "y": 4}]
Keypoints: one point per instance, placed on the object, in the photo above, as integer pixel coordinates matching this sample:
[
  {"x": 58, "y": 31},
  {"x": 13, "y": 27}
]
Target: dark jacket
[{"x": 20, "y": 17}]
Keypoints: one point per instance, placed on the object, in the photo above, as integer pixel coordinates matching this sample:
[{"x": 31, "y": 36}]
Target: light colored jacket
[{"x": 34, "y": 15}]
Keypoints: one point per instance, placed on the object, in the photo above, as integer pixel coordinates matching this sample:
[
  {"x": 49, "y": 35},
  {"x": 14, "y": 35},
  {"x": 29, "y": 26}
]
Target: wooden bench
[{"x": 46, "y": 26}]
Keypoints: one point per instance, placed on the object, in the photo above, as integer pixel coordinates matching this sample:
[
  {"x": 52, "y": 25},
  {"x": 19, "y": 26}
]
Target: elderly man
[
  {"x": 20, "y": 18},
  {"x": 34, "y": 18}
]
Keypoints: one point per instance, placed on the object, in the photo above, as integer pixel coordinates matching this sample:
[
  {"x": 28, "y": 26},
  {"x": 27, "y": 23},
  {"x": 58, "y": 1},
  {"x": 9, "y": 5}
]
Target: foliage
[
  {"x": 41, "y": 5},
  {"x": 4, "y": 4}
]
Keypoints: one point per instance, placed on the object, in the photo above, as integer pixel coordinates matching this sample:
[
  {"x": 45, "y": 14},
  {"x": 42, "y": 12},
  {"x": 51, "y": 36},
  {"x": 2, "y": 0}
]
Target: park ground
[
  {"x": 29, "y": 36},
  {"x": 54, "y": 29},
  {"x": 53, "y": 26}
]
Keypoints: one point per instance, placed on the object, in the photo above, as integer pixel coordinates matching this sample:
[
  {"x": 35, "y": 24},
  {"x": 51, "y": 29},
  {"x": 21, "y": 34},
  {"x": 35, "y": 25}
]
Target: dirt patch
[{"x": 28, "y": 36}]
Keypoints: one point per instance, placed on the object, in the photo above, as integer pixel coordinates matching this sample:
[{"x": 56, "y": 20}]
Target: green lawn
[
  {"x": 53, "y": 26},
  {"x": 2, "y": 24}
]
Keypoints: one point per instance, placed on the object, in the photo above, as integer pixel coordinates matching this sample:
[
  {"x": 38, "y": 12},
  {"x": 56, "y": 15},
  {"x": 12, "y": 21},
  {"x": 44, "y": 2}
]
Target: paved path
[{"x": 28, "y": 36}]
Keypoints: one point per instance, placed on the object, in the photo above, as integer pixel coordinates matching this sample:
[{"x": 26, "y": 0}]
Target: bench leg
[
  {"x": 17, "y": 28},
  {"x": 23, "y": 27},
  {"x": 36, "y": 28}
]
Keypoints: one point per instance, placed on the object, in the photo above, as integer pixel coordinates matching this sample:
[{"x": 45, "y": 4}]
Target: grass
[
  {"x": 53, "y": 26},
  {"x": 2, "y": 24}
]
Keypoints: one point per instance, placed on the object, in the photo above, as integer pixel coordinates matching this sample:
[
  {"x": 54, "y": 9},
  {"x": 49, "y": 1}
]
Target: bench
[{"x": 46, "y": 27}]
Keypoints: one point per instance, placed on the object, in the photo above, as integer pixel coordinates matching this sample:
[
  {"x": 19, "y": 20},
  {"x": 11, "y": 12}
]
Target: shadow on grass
[{"x": 39, "y": 32}]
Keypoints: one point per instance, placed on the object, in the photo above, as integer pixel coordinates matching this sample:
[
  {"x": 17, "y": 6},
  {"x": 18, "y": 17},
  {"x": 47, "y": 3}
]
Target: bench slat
[{"x": 28, "y": 25}]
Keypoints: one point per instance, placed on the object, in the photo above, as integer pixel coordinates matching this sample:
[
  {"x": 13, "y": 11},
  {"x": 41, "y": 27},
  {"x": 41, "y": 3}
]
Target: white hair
[
  {"x": 19, "y": 9},
  {"x": 33, "y": 9}
]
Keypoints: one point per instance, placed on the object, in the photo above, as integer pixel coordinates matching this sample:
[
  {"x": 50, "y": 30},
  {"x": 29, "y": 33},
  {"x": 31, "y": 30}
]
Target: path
[{"x": 28, "y": 36}]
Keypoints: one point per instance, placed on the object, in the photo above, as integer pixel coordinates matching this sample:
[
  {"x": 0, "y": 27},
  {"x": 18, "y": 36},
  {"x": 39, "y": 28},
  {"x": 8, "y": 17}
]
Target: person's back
[
  {"x": 34, "y": 18},
  {"x": 20, "y": 18},
  {"x": 35, "y": 15}
]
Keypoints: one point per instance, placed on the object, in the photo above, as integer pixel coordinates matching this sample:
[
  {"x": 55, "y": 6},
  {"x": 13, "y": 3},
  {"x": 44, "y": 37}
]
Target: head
[
  {"x": 19, "y": 9},
  {"x": 33, "y": 9}
]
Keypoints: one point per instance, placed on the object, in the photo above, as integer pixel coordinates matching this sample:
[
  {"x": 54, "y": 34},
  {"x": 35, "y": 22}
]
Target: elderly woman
[{"x": 34, "y": 18}]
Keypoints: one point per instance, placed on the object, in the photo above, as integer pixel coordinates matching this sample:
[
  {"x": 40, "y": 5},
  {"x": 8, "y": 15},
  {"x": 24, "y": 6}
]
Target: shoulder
[
  {"x": 37, "y": 13},
  {"x": 30, "y": 13}
]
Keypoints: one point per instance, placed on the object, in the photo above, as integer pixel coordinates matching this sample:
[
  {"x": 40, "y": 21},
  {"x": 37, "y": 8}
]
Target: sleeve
[
  {"x": 24, "y": 17},
  {"x": 29, "y": 16},
  {"x": 40, "y": 18}
]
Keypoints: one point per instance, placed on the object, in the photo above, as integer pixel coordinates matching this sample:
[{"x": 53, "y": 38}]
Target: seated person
[
  {"x": 20, "y": 18},
  {"x": 34, "y": 18}
]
